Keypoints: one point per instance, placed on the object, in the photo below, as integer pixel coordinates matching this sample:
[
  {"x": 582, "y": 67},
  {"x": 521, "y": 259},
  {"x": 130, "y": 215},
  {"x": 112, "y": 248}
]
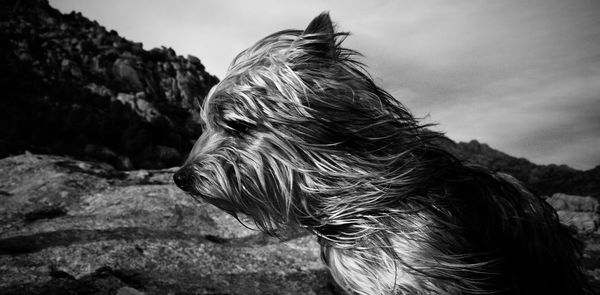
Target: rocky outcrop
[
  {"x": 73, "y": 227},
  {"x": 72, "y": 87},
  {"x": 582, "y": 215},
  {"x": 578, "y": 212}
]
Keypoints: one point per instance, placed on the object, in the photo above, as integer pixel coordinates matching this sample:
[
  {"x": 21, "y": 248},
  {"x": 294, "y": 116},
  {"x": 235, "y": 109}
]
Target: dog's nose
[{"x": 182, "y": 178}]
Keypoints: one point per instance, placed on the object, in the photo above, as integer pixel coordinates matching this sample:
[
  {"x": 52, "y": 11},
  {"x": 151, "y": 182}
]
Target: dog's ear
[
  {"x": 321, "y": 35},
  {"x": 320, "y": 25}
]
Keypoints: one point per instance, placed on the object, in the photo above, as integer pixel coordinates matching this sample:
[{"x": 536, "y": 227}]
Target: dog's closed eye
[{"x": 237, "y": 126}]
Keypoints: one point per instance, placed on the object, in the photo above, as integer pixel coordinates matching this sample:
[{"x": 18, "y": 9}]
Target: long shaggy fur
[{"x": 298, "y": 134}]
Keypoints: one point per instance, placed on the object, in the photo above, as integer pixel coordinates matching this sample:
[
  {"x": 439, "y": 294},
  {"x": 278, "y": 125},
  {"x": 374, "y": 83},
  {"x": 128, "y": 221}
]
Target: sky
[{"x": 520, "y": 75}]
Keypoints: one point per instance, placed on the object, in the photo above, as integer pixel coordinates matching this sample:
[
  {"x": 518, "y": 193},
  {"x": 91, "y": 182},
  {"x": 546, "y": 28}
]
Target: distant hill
[
  {"x": 543, "y": 179},
  {"x": 72, "y": 87}
]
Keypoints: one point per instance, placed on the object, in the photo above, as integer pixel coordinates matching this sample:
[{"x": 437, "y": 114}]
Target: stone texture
[
  {"x": 578, "y": 212},
  {"x": 74, "y": 227},
  {"x": 581, "y": 214},
  {"x": 583, "y": 222},
  {"x": 564, "y": 202}
]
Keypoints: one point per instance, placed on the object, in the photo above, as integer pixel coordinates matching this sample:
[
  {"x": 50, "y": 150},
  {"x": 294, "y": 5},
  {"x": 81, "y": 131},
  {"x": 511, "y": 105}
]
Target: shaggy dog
[{"x": 298, "y": 134}]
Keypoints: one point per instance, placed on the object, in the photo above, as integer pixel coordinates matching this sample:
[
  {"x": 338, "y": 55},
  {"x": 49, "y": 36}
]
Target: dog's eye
[{"x": 238, "y": 126}]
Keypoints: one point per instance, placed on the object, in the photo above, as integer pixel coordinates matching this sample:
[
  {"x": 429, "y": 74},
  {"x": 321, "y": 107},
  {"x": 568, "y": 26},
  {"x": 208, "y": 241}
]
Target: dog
[{"x": 298, "y": 134}]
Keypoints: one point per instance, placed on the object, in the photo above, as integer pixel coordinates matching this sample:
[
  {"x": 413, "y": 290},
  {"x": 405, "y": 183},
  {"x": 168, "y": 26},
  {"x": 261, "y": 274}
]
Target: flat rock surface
[{"x": 73, "y": 227}]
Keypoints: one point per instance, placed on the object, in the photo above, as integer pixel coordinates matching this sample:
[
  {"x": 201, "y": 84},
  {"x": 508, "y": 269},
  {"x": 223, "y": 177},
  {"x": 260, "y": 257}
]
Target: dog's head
[{"x": 297, "y": 132}]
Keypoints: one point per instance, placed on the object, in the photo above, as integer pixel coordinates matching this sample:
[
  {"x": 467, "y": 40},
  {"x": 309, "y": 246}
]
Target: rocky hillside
[{"x": 71, "y": 87}]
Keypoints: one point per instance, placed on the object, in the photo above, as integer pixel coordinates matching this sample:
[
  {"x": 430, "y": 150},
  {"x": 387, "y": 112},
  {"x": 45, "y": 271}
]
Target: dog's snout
[{"x": 183, "y": 178}]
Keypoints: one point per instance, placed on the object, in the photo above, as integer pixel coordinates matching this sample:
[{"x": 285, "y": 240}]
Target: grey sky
[{"x": 520, "y": 75}]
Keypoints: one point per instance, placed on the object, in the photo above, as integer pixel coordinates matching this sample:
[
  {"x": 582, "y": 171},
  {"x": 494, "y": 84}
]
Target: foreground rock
[{"x": 71, "y": 227}]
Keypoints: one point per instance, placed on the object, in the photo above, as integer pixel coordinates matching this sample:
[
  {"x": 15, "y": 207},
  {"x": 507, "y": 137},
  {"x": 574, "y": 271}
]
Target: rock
[
  {"x": 573, "y": 203},
  {"x": 127, "y": 99},
  {"x": 187, "y": 85},
  {"x": 124, "y": 163},
  {"x": 195, "y": 61},
  {"x": 136, "y": 103},
  {"x": 100, "y": 90},
  {"x": 71, "y": 68},
  {"x": 127, "y": 75},
  {"x": 25, "y": 57},
  {"x": 167, "y": 154},
  {"x": 100, "y": 152},
  {"x": 108, "y": 232},
  {"x": 145, "y": 109},
  {"x": 129, "y": 291},
  {"x": 583, "y": 222},
  {"x": 580, "y": 213}
]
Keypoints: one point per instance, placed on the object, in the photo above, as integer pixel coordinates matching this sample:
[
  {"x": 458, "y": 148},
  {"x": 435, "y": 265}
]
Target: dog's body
[{"x": 298, "y": 134}]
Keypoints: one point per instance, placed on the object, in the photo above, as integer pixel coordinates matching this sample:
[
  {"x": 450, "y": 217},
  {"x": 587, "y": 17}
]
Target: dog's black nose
[{"x": 182, "y": 178}]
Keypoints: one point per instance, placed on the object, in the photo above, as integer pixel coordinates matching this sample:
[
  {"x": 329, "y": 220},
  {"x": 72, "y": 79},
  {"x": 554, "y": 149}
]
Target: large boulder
[
  {"x": 73, "y": 227},
  {"x": 583, "y": 222},
  {"x": 578, "y": 212}
]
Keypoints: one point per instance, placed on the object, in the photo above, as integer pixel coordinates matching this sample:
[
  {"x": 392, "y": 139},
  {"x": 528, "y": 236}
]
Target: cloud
[
  {"x": 549, "y": 124},
  {"x": 522, "y": 77}
]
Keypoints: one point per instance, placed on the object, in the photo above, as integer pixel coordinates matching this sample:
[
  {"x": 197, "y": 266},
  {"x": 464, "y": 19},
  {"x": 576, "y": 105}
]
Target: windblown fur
[{"x": 298, "y": 134}]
